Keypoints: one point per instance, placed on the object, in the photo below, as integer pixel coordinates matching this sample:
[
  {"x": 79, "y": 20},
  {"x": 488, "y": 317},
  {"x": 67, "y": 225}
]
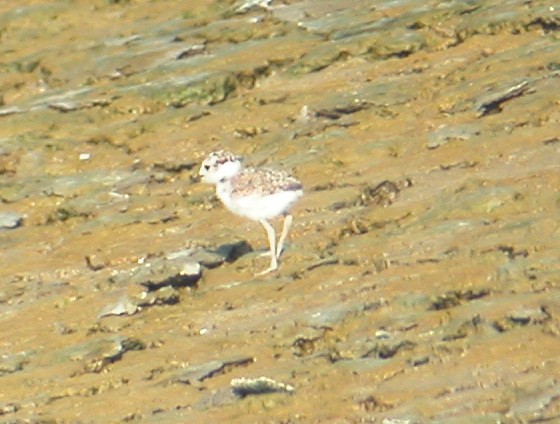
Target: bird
[{"x": 259, "y": 194}]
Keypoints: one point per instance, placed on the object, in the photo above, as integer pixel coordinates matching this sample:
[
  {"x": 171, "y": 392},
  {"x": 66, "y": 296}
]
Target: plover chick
[{"x": 259, "y": 194}]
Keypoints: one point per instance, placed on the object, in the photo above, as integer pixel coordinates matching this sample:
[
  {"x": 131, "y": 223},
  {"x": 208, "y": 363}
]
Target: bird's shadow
[{"x": 233, "y": 251}]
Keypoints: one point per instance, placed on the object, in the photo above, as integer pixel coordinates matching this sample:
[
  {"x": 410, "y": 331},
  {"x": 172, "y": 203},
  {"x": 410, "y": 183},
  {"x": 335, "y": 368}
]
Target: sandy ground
[{"x": 421, "y": 279}]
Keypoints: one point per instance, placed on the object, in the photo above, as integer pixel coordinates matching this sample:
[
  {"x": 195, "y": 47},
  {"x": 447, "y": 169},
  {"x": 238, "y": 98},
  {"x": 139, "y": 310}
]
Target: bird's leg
[
  {"x": 287, "y": 224},
  {"x": 272, "y": 242}
]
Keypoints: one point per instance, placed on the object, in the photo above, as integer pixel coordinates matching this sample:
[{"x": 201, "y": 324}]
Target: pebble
[
  {"x": 10, "y": 220},
  {"x": 155, "y": 273},
  {"x": 167, "y": 295},
  {"x": 445, "y": 134},
  {"x": 96, "y": 354},
  {"x": 64, "y": 106},
  {"x": 256, "y": 386},
  {"x": 491, "y": 103},
  {"x": 121, "y": 307},
  {"x": 9, "y": 408},
  {"x": 10, "y": 110},
  {"x": 197, "y": 373},
  {"x": 12, "y": 363}
]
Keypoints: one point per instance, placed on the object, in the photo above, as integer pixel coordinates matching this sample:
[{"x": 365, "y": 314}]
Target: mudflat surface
[{"x": 421, "y": 280}]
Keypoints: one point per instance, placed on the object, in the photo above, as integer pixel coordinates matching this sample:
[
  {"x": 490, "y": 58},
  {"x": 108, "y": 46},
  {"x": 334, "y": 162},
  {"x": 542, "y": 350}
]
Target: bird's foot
[
  {"x": 266, "y": 271},
  {"x": 273, "y": 267}
]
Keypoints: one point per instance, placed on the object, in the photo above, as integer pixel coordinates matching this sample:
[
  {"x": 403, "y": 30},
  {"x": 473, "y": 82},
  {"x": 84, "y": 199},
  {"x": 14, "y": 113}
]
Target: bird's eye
[{"x": 207, "y": 167}]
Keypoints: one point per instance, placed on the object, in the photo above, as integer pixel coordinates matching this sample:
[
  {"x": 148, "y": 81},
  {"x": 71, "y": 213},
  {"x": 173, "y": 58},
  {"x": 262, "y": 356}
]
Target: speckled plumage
[
  {"x": 259, "y": 194},
  {"x": 263, "y": 181},
  {"x": 223, "y": 156}
]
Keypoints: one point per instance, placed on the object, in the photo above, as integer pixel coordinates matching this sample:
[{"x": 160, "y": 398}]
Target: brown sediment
[{"x": 421, "y": 280}]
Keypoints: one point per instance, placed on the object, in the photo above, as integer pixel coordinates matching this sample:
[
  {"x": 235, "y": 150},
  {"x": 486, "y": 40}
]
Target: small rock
[
  {"x": 167, "y": 295},
  {"x": 9, "y": 408},
  {"x": 382, "y": 194},
  {"x": 121, "y": 307},
  {"x": 382, "y": 334},
  {"x": 492, "y": 102},
  {"x": 454, "y": 298},
  {"x": 419, "y": 360},
  {"x": 525, "y": 316},
  {"x": 10, "y": 220},
  {"x": 373, "y": 404},
  {"x": 97, "y": 354},
  {"x": 64, "y": 106},
  {"x": 256, "y": 386},
  {"x": 61, "y": 328},
  {"x": 198, "y": 373},
  {"x": 191, "y": 269},
  {"x": 250, "y": 5},
  {"x": 155, "y": 273},
  {"x": 161, "y": 274},
  {"x": 207, "y": 258},
  {"x": 444, "y": 134},
  {"x": 10, "y": 110},
  {"x": 12, "y": 363},
  {"x": 192, "y": 50},
  {"x": 307, "y": 342},
  {"x": 521, "y": 318}
]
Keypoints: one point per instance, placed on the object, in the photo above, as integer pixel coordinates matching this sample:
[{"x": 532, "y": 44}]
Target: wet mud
[{"x": 421, "y": 279}]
